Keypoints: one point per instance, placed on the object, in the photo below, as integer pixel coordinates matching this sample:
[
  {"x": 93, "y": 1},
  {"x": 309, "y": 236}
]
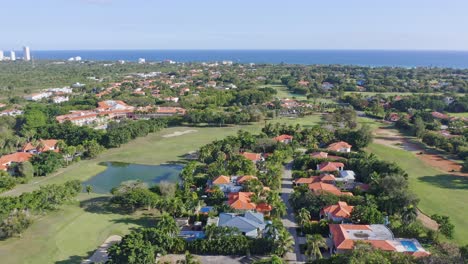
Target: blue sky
[{"x": 235, "y": 24}]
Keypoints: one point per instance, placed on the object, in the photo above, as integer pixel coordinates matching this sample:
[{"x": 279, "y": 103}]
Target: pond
[{"x": 118, "y": 172}]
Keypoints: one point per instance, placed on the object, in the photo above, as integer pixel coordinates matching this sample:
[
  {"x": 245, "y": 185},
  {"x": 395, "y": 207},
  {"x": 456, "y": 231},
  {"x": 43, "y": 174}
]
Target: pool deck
[{"x": 397, "y": 243}]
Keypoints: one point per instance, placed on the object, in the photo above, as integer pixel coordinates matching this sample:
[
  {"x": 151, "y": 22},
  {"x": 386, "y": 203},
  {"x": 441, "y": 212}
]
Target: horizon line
[{"x": 254, "y": 49}]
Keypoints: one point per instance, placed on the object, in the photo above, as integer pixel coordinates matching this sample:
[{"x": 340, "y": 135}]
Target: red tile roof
[
  {"x": 330, "y": 166},
  {"x": 439, "y": 115},
  {"x": 340, "y": 210},
  {"x": 222, "y": 180},
  {"x": 245, "y": 178},
  {"x": 320, "y": 187},
  {"x": 344, "y": 242},
  {"x": 15, "y": 157},
  {"x": 241, "y": 201},
  {"x": 306, "y": 180},
  {"x": 282, "y": 138},
  {"x": 338, "y": 145},
  {"x": 252, "y": 156},
  {"x": 319, "y": 155},
  {"x": 47, "y": 144},
  {"x": 327, "y": 177}
]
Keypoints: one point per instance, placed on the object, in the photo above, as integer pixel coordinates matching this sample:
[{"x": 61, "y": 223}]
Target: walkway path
[
  {"x": 100, "y": 255},
  {"x": 288, "y": 220}
]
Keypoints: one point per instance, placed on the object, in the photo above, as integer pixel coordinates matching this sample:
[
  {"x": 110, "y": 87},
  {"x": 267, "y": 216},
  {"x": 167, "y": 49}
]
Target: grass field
[
  {"x": 283, "y": 92},
  {"x": 70, "y": 234},
  {"x": 438, "y": 192},
  {"x": 465, "y": 114}
]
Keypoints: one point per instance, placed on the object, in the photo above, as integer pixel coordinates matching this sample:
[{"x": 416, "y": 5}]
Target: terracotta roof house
[
  {"x": 113, "y": 105},
  {"x": 325, "y": 178},
  {"x": 17, "y": 157},
  {"x": 305, "y": 180},
  {"x": 246, "y": 178},
  {"x": 255, "y": 157},
  {"x": 222, "y": 180},
  {"x": 340, "y": 147},
  {"x": 340, "y": 212},
  {"x": 42, "y": 146},
  {"x": 321, "y": 187},
  {"x": 241, "y": 201},
  {"x": 393, "y": 117},
  {"x": 344, "y": 237},
  {"x": 330, "y": 166},
  {"x": 226, "y": 184},
  {"x": 319, "y": 155},
  {"x": 439, "y": 115},
  {"x": 286, "y": 139}
]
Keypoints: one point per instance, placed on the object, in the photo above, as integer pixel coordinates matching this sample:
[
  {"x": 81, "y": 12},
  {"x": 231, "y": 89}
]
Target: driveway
[{"x": 288, "y": 220}]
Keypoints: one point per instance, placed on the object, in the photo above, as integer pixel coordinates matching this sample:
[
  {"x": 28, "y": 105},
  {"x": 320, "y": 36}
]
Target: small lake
[{"x": 118, "y": 172}]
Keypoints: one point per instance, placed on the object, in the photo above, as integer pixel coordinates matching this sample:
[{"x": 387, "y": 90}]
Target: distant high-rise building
[
  {"x": 26, "y": 53},
  {"x": 12, "y": 56},
  {"x": 1, "y": 55}
]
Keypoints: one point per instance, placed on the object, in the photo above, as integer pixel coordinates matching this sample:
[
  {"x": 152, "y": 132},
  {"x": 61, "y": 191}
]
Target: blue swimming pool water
[{"x": 409, "y": 246}]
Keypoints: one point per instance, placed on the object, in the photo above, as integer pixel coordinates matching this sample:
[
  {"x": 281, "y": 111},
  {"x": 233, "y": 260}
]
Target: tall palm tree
[
  {"x": 167, "y": 224},
  {"x": 314, "y": 243},
  {"x": 210, "y": 231},
  {"x": 273, "y": 228},
  {"x": 284, "y": 243},
  {"x": 303, "y": 217}
]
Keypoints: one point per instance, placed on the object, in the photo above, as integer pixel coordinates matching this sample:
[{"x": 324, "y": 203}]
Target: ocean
[{"x": 373, "y": 58}]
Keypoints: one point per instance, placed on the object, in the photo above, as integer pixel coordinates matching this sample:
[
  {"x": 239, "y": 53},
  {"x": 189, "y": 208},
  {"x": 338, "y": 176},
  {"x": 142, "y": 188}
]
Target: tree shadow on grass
[
  {"x": 100, "y": 205},
  {"x": 142, "y": 221},
  {"x": 447, "y": 181},
  {"x": 75, "y": 259}
]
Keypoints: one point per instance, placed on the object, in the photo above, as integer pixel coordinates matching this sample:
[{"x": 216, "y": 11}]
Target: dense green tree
[
  {"x": 133, "y": 249},
  {"x": 46, "y": 162}
]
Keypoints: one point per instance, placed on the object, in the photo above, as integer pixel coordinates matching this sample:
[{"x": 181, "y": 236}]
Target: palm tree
[
  {"x": 314, "y": 243},
  {"x": 210, "y": 231},
  {"x": 284, "y": 243},
  {"x": 303, "y": 217},
  {"x": 189, "y": 259},
  {"x": 273, "y": 228},
  {"x": 89, "y": 188},
  {"x": 167, "y": 224}
]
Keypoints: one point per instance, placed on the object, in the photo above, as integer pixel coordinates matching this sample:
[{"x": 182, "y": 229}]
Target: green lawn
[
  {"x": 465, "y": 114},
  {"x": 68, "y": 235},
  {"x": 438, "y": 193},
  {"x": 283, "y": 92}
]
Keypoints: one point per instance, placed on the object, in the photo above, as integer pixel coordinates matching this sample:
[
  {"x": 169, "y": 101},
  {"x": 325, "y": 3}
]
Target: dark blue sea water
[{"x": 452, "y": 59}]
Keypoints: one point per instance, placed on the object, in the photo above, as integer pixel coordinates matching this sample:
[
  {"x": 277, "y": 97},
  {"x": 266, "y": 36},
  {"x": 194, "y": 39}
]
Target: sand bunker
[{"x": 179, "y": 133}]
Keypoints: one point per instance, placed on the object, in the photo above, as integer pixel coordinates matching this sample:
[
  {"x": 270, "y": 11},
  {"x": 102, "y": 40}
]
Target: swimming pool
[{"x": 409, "y": 245}]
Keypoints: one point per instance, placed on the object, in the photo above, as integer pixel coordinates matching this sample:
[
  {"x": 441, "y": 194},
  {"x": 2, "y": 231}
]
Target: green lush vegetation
[{"x": 438, "y": 193}]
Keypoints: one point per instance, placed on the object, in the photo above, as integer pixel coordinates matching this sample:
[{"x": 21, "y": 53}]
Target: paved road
[{"x": 289, "y": 220}]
